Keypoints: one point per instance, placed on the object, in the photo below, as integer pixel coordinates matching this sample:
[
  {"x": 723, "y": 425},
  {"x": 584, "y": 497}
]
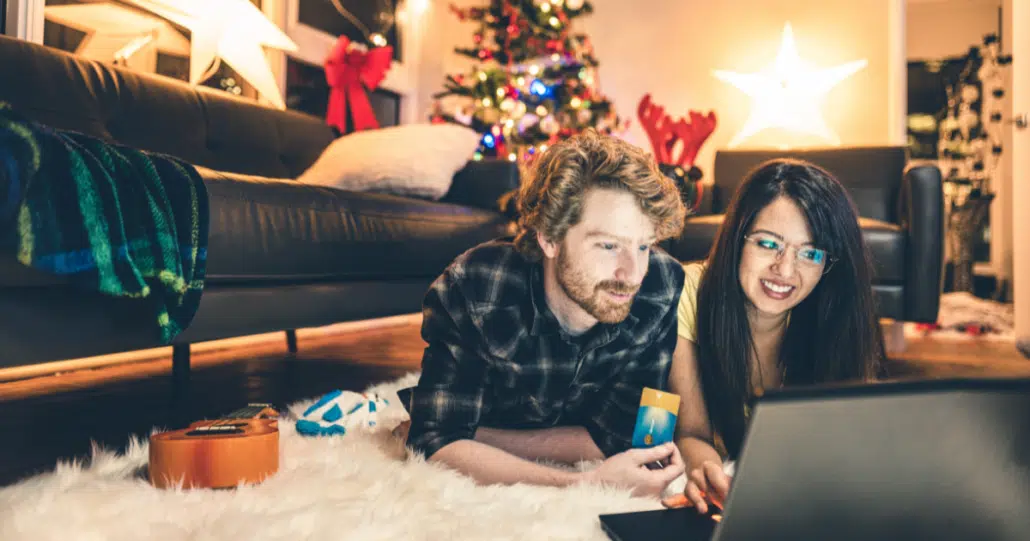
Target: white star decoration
[
  {"x": 112, "y": 29},
  {"x": 788, "y": 94},
  {"x": 232, "y": 30}
]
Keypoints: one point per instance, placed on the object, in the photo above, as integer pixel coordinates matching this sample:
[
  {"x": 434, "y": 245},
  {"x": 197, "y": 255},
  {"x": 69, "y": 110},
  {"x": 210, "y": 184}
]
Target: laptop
[{"x": 936, "y": 459}]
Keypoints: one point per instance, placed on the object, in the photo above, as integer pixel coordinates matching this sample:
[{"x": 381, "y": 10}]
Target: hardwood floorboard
[
  {"x": 55, "y": 417},
  {"x": 940, "y": 358}
]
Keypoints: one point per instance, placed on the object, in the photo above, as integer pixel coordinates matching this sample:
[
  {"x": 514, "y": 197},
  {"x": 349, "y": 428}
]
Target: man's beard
[{"x": 593, "y": 298}]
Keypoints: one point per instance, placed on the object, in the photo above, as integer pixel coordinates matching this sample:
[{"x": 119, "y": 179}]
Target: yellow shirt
[
  {"x": 686, "y": 315},
  {"x": 686, "y": 312}
]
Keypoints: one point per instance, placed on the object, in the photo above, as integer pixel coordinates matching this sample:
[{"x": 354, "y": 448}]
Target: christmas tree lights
[{"x": 534, "y": 81}]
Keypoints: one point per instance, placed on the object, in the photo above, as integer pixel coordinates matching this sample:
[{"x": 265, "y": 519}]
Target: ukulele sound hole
[{"x": 216, "y": 430}]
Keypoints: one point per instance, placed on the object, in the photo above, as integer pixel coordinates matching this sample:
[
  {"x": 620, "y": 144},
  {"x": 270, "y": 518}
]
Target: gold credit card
[{"x": 656, "y": 418}]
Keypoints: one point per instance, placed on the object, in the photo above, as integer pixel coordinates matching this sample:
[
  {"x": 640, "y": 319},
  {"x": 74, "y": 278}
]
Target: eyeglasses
[{"x": 807, "y": 256}]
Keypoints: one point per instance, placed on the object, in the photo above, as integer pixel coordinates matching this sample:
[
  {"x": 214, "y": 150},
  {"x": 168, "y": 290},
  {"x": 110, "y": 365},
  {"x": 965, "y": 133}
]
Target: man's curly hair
[{"x": 551, "y": 199}]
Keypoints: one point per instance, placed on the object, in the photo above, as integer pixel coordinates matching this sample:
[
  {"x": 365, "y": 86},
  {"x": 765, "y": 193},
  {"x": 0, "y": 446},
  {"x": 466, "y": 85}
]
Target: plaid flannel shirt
[{"x": 498, "y": 357}]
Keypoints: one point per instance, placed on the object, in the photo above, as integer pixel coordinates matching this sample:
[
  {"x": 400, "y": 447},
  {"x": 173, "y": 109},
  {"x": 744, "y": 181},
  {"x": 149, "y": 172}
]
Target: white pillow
[{"x": 416, "y": 160}]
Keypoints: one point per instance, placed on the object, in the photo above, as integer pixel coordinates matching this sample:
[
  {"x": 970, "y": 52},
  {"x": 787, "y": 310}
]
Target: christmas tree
[{"x": 534, "y": 81}]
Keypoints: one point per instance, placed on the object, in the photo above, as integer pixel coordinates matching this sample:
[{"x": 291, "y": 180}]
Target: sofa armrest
[
  {"x": 481, "y": 183},
  {"x": 921, "y": 215},
  {"x": 706, "y": 207}
]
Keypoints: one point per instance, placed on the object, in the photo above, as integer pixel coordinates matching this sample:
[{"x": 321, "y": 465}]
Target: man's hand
[
  {"x": 706, "y": 484},
  {"x": 628, "y": 470}
]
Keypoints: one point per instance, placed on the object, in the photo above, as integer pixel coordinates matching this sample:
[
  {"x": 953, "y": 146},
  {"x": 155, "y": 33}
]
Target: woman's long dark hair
[{"x": 833, "y": 335}]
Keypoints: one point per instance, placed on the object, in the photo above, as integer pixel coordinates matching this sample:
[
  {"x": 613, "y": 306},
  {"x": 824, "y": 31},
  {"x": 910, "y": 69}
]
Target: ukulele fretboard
[{"x": 247, "y": 412}]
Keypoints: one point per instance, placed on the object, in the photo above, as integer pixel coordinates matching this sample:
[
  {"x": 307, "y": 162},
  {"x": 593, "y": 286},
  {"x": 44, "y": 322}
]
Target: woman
[{"x": 784, "y": 298}]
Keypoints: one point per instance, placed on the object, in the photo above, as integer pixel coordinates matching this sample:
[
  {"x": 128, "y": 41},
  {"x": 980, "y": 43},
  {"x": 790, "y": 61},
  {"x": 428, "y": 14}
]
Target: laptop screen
[{"x": 941, "y": 460}]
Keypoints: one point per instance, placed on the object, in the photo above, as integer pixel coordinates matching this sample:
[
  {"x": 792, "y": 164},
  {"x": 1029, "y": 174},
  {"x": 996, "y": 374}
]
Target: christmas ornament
[{"x": 549, "y": 125}]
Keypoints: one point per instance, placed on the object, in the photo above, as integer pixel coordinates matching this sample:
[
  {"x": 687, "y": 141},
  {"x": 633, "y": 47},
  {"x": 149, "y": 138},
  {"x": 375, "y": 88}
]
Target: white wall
[
  {"x": 943, "y": 28},
  {"x": 669, "y": 47},
  {"x": 443, "y": 32}
]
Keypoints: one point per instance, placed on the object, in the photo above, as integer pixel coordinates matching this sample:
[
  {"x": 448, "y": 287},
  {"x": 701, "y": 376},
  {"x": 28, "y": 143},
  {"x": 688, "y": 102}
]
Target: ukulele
[{"x": 242, "y": 446}]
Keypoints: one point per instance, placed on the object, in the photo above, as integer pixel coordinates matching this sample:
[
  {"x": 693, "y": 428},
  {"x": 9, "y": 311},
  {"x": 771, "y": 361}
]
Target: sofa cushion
[
  {"x": 886, "y": 244},
  {"x": 415, "y": 160},
  {"x": 284, "y": 231},
  {"x": 871, "y": 175}
]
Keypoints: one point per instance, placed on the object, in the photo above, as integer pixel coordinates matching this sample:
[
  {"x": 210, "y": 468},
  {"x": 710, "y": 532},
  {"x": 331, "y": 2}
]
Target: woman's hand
[{"x": 706, "y": 484}]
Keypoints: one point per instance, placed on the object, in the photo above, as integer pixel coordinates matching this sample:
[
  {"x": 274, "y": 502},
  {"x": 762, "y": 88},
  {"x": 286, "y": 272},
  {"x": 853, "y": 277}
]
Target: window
[
  {"x": 314, "y": 26},
  {"x": 375, "y": 16},
  {"x": 308, "y": 92}
]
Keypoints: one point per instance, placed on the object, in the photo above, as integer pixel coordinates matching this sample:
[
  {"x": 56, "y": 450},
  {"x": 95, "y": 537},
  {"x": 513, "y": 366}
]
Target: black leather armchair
[{"x": 901, "y": 208}]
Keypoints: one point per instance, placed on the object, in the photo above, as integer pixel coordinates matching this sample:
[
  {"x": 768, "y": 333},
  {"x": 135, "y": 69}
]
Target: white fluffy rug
[
  {"x": 357, "y": 486},
  {"x": 960, "y": 310}
]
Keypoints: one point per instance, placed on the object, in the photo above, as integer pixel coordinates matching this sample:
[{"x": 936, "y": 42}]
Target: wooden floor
[
  {"x": 54, "y": 417},
  {"x": 931, "y": 358}
]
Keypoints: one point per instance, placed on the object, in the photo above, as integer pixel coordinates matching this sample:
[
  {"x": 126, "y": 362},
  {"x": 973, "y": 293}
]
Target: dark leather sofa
[
  {"x": 901, "y": 208},
  {"x": 281, "y": 255}
]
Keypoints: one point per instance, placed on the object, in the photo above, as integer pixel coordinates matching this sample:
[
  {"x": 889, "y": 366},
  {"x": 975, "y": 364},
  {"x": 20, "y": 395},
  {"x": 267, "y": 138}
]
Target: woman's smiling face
[{"x": 779, "y": 265}]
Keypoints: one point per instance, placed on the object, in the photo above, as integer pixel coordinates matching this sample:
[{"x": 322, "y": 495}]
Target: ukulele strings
[{"x": 242, "y": 413}]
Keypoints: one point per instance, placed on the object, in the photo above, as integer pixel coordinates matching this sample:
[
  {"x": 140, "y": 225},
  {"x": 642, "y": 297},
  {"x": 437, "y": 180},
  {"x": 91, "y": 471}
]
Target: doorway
[{"x": 958, "y": 100}]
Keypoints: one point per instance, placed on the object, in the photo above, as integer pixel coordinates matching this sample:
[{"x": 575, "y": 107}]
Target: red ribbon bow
[{"x": 351, "y": 72}]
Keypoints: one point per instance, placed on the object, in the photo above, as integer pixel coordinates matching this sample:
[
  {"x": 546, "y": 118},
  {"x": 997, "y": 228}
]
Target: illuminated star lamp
[
  {"x": 788, "y": 94},
  {"x": 234, "y": 31},
  {"x": 115, "y": 33}
]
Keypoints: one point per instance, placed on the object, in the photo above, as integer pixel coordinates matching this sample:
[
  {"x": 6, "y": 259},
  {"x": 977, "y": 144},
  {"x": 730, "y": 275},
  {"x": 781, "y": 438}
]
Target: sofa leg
[{"x": 291, "y": 341}]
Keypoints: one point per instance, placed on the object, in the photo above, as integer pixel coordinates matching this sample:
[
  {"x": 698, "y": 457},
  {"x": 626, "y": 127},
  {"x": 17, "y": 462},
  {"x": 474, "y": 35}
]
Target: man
[{"x": 539, "y": 348}]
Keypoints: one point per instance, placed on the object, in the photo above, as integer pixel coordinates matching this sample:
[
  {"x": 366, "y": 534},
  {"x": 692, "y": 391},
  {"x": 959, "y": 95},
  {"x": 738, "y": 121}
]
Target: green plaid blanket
[{"x": 112, "y": 219}]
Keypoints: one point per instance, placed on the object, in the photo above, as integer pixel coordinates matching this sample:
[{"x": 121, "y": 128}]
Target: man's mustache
[{"x": 617, "y": 287}]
